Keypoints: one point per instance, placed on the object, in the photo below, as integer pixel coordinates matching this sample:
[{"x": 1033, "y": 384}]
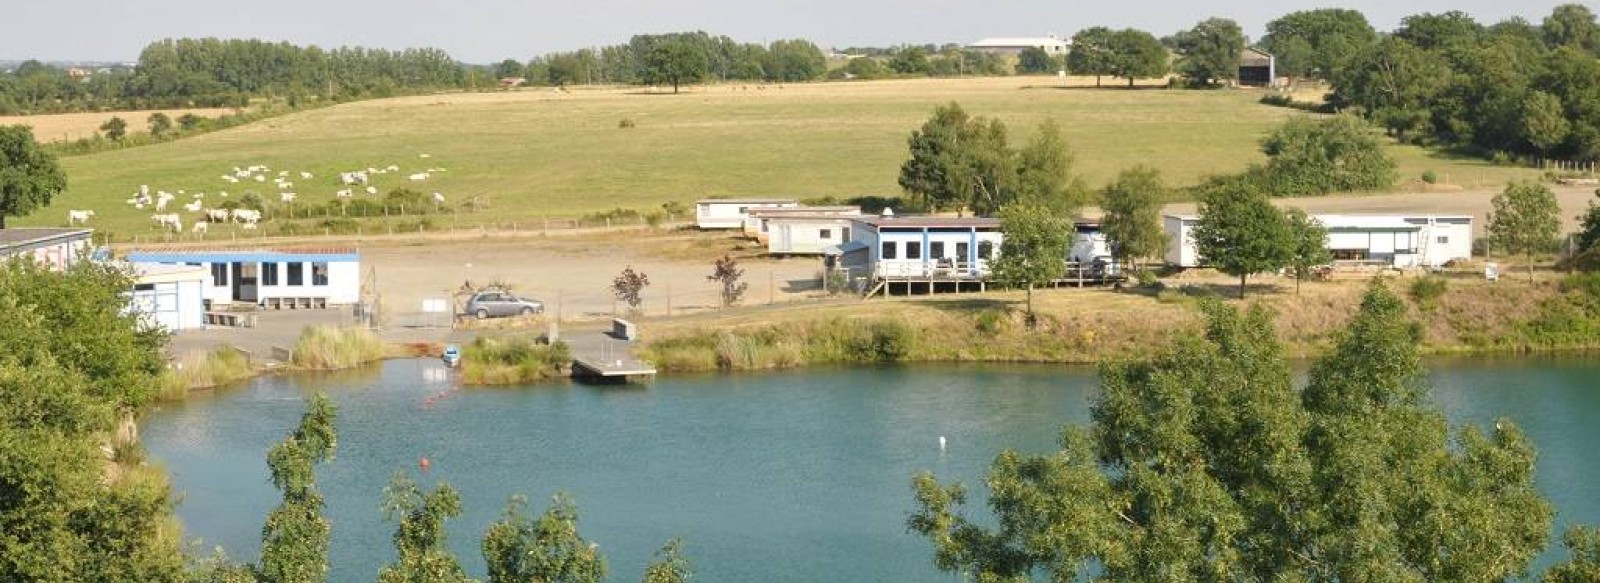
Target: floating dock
[{"x": 615, "y": 370}]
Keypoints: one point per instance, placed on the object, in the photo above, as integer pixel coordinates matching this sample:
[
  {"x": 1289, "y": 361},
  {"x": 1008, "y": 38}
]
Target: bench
[
  {"x": 295, "y": 303},
  {"x": 231, "y": 319}
]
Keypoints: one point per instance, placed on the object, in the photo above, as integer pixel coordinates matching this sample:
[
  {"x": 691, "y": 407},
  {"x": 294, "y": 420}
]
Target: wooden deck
[
  {"x": 961, "y": 280},
  {"x": 624, "y": 369}
]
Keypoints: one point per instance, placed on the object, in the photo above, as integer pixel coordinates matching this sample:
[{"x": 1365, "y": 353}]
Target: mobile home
[
  {"x": 797, "y": 234},
  {"x": 1399, "y": 241},
  {"x": 730, "y": 213},
  {"x": 170, "y": 297},
  {"x": 756, "y": 225},
  {"x": 53, "y": 248},
  {"x": 898, "y": 247},
  {"x": 273, "y": 278}
]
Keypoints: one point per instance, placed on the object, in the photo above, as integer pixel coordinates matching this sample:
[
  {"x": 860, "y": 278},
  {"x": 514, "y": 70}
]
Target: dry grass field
[
  {"x": 540, "y": 152},
  {"x": 65, "y": 127}
]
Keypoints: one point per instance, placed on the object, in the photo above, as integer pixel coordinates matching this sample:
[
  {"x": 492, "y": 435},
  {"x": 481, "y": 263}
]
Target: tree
[
  {"x": 1431, "y": 31},
  {"x": 674, "y": 61},
  {"x": 864, "y": 68},
  {"x": 1132, "y": 222},
  {"x": 1525, "y": 220},
  {"x": 1311, "y": 43},
  {"x": 1589, "y": 226},
  {"x": 1136, "y": 54},
  {"x": 29, "y": 176},
  {"x": 294, "y": 541},
  {"x": 509, "y": 68},
  {"x": 1034, "y": 250},
  {"x": 115, "y": 128},
  {"x": 1091, "y": 53},
  {"x": 1241, "y": 233},
  {"x": 1308, "y": 156},
  {"x": 1308, "y": 245},
  {"x": 629, "y": 286},
  {"x": 1572, "y": 25},
  {"x": 929, "y": 176},
  {"x": 1205, "y": 462},
  {"x": 985, "y": 170},
  {"x": 421, "y": 553},
  {"x": 549, "y": 550},
  {"x": 1035, "y": 61},
  {"x": 1044, "y": 173},
  {"x": 160, "y": 124},
  {"x": 1544, "y": 122},
  {"x": 189, "y": 121},
  {"x": 669, "y": 566},
  {"x": 1395, "y": 84},
  {"x": 1583, "y": 544},
  {"x": 794, "y": 60},
  {"x": 727, "y": 274},
  {"x": 1209, "y": 52},
  {"x": 910, "y": 61}
]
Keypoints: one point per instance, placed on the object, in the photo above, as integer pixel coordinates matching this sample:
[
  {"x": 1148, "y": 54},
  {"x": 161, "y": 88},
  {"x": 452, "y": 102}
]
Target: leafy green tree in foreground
[
  {"x": 1132, "y": 222},
  {"x": 1241, "y": 233},
  {"x": 294, "y": 541},
  {"x": 1206, "y": 463},
  {"x": 669, "y": 566},
  {"x": 674, "y": 61},
  {"x": 549, "y": 550},
  {"x": 1034, "y": 250},
  {"x": 1583, "y": 566},
  {"x": 29, "y": 176},
  {"x": 1308, "y": 245},
  {"x": 1524, "y": 220},
  {"x": 1319, "y": 156},
  {"x": 421, "y": 554}
]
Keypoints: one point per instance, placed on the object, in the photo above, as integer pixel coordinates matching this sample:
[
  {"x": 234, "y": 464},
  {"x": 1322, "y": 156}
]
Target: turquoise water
[{"x": 797, "y": 476}]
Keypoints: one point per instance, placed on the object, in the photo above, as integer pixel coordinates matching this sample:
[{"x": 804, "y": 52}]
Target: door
[{"x": 245, "y": 278}]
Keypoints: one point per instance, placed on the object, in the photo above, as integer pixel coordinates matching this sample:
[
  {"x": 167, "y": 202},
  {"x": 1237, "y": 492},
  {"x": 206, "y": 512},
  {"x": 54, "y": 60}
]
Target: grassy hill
[{"x": 539, "y": 152}]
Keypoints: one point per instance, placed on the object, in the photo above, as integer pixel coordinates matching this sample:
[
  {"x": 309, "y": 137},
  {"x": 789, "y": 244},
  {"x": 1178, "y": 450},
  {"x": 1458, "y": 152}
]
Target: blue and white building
[
  {"x": 901, "y": 247},
  {"x": 271, "y": 278}
]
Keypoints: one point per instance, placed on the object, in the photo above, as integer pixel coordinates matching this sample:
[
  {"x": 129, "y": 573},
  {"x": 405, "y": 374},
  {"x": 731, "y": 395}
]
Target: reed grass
[
  {"x": 512, "y": 360},
  {"x": 201, "y": 369},
  {"x": 336, "y": 347}
]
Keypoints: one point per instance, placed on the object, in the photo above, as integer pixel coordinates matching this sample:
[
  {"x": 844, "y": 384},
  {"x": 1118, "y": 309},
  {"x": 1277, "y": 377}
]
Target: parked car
[{"x": 495, "y": 304}]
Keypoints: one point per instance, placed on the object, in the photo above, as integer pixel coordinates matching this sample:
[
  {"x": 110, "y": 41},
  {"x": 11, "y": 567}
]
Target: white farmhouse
[
  {"x": 730, "y": 213},
  {"x": 1399, "y": 241},
  {"x": 272, "y": 278}
]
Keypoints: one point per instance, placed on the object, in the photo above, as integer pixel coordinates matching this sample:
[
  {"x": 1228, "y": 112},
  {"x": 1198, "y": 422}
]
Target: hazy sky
[{"x": 490, "y": 30}]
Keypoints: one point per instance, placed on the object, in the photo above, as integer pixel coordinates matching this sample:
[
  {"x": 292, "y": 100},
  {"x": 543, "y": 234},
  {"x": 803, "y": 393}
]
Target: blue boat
[{"x": 452, "y": 355}]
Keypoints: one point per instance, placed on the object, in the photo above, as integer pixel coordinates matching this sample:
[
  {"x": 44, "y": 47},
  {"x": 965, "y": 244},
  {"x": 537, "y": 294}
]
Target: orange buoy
[{"x": 423, "y": 463}]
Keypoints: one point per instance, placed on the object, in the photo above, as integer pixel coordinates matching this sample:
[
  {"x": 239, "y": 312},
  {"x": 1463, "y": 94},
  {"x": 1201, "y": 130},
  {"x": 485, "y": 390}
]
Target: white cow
[
  {"x": 193, "y": 207},
  {"x": 162, "y": 198},
  {"x": 78, "y": 217},
  {"x": 438, "y": 198},
  {"x": 168, "y": 221},
  {"x": 285, "y": 185},
  {"x": 217, "y": 215},
  {"x": 305, "y": 175},
  {"x": 286, "y": 197},
  {"x": 419, "y": 176},
  {"x": 260, "y": 178},
  {"x": 393, "y": 168},
  {"x": 247, "y": 216},
  {"x": 372, "y": 190},
  {"x": 201, "y": 227},
  {"x": 343, "y": 193}
]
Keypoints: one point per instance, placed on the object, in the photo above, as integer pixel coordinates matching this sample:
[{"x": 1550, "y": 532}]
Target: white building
[
  {"x": 171, "y": 297},
  {"x": 900, "y": 247},
  {"x": 798, "y": 234},
  {"x": 53, "y": 248},
  {"x": 1400, "y": 241},
  {"x": 1015, "y": 45},
  {"x": 756, "y": 225},
  {"x": 730, "y": 213},
  {"x": 272, "y": 278}
]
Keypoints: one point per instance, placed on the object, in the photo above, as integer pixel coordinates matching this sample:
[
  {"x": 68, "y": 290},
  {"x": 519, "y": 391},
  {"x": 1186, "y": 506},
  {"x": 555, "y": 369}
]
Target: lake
[{"x": 793, "y": 476}]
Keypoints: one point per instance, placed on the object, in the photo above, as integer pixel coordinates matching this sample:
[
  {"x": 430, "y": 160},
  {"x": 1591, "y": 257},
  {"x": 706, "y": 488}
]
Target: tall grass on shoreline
[
  {"x": 336, "y": 347},
  {"x": 201, "y": 369},
  {"x": 513, "y": 359},
  {"x": 785, "y": 346}
]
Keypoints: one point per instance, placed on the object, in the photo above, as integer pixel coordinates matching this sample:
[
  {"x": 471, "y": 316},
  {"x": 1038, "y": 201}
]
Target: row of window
[
  {"x": 936, "y": 250},
  {"x": 294, "y": 273}
]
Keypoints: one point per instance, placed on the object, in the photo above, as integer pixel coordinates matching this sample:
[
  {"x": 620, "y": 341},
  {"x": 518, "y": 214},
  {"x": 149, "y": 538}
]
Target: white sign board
[
  {"x": 1491, "y": 272},
  {"x": 435, "y": 306}
]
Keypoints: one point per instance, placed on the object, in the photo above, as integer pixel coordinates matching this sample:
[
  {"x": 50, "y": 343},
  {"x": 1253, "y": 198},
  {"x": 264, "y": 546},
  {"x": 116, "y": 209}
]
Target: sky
[{"x": 484, "y": 31}]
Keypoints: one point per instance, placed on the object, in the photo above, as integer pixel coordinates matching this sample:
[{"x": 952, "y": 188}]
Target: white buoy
[{"x": 941, "y": 443}]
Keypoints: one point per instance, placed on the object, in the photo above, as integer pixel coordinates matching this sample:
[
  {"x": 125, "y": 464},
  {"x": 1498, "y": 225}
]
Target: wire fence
[{"x": 376, "y": 227}]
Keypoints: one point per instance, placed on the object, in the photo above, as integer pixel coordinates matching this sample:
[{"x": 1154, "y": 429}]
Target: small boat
[{"x": 451, "y": 356}]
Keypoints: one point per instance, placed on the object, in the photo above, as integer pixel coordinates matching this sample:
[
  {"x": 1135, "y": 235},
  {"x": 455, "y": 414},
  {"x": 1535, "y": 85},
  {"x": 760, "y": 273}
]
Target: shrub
[
  {"x": 1146, "y": 278},
  {"x": 882, "y": 341},
  {"x": 626, "y": 124},
  {"x": 334, "y": 347},
  {"x": 992, "y": 322},
  {"x": 1427, "y": 290},
  {"x": 513, "y": 359},
  {"x": 1430, "y": 177}
]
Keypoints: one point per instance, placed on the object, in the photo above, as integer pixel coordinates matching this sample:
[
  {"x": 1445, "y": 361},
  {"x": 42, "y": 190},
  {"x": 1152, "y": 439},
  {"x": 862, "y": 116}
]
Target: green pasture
[{"x": 540, "y": 153}]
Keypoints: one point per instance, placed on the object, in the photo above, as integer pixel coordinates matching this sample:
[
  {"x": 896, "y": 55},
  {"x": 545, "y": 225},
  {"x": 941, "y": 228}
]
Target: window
[
  {"x": 936, "y": 250},
  {"x": 145, "y": 287},
  {"x": 888, "y": 250},
  {"x": 825, "y": 234},
  {"x": 193, "y": 264},
  {"x": 219, "y": 274},
  {"x": 319, "y": 273},
  {"x": 844, "y": 234},
  {"x": 1442, "y": 240},
  {"x": 744, "y": 210},
  {"x": 297, "y": 273},
  {"x": 962, "y": 251},
  {"x": 985, "y": 250},
  {"x": 269, "y": 274},
  {"x": 913, "y": 250}
]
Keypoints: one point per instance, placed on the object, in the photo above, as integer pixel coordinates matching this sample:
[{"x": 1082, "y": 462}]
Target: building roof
[
  {"x": 1252, "y": 57},
  {"x": 156, "y": 273},
  {"x": 1361, "y": 221},
  {"x": 1019, "y": 42},
  {"x": 928, "y": 222},
  {"x": 28, "y": 238},
  {"x": 800, "y": 210},
  {"x": 203, "y": 255},
  {"x": 747, "y": 201},
  {"x": 807, "y": 217}
]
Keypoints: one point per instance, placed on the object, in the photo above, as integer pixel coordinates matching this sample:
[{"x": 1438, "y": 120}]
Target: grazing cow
[
  {"x": 260, "y": 178},
  {"x": 423, "y": 156},
  {"x": 168, "y": 221},
  {"x": 438, "y": 198},
  {"x": 286, "y": 197},
  {"x": 217, "y": 215},
  {"x": 78, "y": 217},
  {"x": 393, "y": 168},
  {"x": 201, "y": 227},
  {"x": 372, "y": 190},
  {"x": 419, "y": 176},
  {"x": 305, "y": 175},
  {"x": 343, "y": 193},
  {"x": 161, "y": 201},
  {"x": 246, "y": 216},
  {"x": 193, "y": 207},
  {"x": 285, "y": 185}
]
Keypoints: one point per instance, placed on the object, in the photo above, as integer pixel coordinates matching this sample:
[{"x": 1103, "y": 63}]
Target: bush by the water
[
  {"x": 787, "y": 345},
  {"x": 513, "y": 359},
  {"x": 200, "y": 369},
  {"x": 1427, "y": 290},
  {"x": 334, "y": 347}
]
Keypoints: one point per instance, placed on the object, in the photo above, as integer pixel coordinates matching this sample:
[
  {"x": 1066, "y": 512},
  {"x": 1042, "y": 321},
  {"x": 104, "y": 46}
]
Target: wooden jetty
[{"x": 613, "y": 369}]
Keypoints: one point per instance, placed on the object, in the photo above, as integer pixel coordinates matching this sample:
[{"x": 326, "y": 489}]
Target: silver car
[{"x": 494, "y": 304}]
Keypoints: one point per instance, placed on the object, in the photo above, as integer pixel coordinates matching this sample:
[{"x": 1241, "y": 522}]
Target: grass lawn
[{"x": 539, "y": 152}]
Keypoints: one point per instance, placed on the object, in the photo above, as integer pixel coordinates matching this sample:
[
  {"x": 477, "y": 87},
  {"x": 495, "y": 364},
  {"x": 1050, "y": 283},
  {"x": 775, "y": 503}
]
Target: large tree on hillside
[
  {"x": 1045, "y": 173},
  {"x": 1206, "y": 462},
  {"x": 1136, "y": 54},
  {"x": 1241, "y": 233},
  {"x": 1132, "y": 222},
  {"x": 1034, "y": 250},
  {"x": 1318, "y": 42},
  {"x": 1091, "y": 53},
  {"x": 1310, "y": 156},
  {"x": 1395, "y": 84},
  {"x": 29, "y": 176},
  {"x": 1209, "y": 52},
  {"x": 1525, "y": 220},
  {"x": 675, "y": 61}
]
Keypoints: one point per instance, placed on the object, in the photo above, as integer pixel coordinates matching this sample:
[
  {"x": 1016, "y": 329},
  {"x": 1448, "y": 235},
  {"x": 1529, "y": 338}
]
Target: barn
[
  {"x": 1015, "y": 45},
  {"x": 1398, "y": 241},
  {"x": 272, "y": 278},
  {"x": 730, "y": 213},
  {"x": 1257, "y": 68}
]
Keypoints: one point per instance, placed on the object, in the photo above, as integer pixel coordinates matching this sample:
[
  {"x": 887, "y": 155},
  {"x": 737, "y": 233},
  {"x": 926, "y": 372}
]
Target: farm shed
[
  {"x": 53, "y": 248},
  {"x": 730, "y": 213},
  {"x": 1015, "y": 45},
  {"x": 170, "y": 297},
  {"x": 274, "y": 278},
  {"x": 802, "y": 234},
  {"x": 1257, "y": 68},
  {"x": 1400, "y": 241}
]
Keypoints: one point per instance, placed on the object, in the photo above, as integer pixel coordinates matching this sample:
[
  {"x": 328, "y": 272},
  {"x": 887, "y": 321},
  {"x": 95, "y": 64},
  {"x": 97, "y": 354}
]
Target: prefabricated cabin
[
  {"x": 730, "y": 213},
  {"x": 274, "y": 278},
  {"x": 756, "y": 223},
  {"x": 1399, "y": 241}
]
